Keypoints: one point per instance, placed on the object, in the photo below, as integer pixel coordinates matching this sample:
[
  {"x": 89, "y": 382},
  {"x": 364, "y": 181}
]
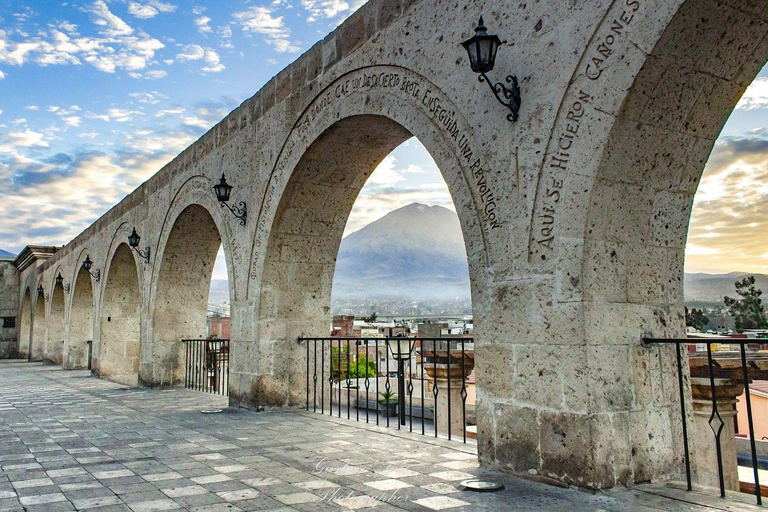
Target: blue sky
[{"x": 96, "y": 96}]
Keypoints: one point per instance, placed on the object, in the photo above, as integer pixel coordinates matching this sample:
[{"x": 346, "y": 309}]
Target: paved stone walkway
[{"x": 69, "y": 441}]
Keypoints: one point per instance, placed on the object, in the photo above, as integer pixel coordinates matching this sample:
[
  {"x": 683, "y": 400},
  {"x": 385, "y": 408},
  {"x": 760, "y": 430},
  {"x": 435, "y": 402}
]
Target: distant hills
[
  {"x": 415, "y": 252},
  {"x": 713, "y": 287},
  {"x": 6, "y": 254}
]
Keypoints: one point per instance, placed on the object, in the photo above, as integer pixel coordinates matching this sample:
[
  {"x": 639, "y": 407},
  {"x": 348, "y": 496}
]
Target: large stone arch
[
  {"x": 56, "y": 332},
  {"x": 81, "y": 318},
  {"x": 334, "y": 146},
  {"x": 120, "y": 315},
  {"x": 25, "y": 323},
  {"x": 37, "y": 339},
  {"x": 644, "y": 102},
  {"x": 191, "y": 235}
]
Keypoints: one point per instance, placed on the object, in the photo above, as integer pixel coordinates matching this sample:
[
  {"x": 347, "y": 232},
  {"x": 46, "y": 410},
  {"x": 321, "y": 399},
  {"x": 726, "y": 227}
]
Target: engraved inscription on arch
[
  {"x": 404, "y": 84},
  {"x": 570, "y": 135}
]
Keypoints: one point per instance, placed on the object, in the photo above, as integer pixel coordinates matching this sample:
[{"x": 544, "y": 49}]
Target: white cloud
[
  {"x": 143, "y": 11},
  {"x": 32, "y": 107},
  {"x": 150, "y": 98},
  {"x": 212, "y": 62},
  {"x": 730, "y": 210},
  {"x": 191, "y": 52},
  {"x": 175, "y": 111},
  {"x": 196, "y": 52},
  {"x": 71, "y": 120},
  {"x": 197, "y": 122},
  {"x": 756, "y": 95},
  {"x": 155, "y": 74},
  {"x": 121, "y": 115},
  {"x": 118, "y": 46},
  {"x": 2, "y": 75},
  {"x": 92, "y": 115},
  {"x": 113, "y": 25},
  {"x": 25, "y": 139},
  {"x": 259, "y": 20},
  {"x": 202, "y": 24},
  {"x": 319, "y": 9},
  {"x": 69, "y": 27},
  {"x": 386, "y": 174},
  {"x": 225, "y": 32}
]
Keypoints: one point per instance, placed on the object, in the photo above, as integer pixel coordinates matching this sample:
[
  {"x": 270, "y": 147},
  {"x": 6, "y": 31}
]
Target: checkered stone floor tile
[{"x": 70, "y": 441}]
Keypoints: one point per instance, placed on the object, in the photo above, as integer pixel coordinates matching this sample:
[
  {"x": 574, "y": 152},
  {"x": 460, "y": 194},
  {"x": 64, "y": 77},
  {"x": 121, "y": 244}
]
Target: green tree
[
  {"x": 362, "y": 368},
  {"x": 748, "y": 310},
  {"x": 695, "y": 318},
  {"x": 344, "y": 365}
]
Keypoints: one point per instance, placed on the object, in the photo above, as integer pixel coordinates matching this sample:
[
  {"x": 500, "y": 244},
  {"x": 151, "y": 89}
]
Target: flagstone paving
[{"x": 69, "y": 441}]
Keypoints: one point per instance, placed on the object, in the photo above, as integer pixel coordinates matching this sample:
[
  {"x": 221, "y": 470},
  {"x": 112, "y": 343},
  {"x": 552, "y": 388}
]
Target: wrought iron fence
[
  {"x": 206, "y": 365},
  {"x": 719, "y": 368},
  {"x": 357, "y": 376}
]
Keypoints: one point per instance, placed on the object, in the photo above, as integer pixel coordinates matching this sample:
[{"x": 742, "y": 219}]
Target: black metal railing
[
  {"x": 206, "y": 365},
  {"x": 715, "y": 368},
  {"x": 346, "y": 374}
]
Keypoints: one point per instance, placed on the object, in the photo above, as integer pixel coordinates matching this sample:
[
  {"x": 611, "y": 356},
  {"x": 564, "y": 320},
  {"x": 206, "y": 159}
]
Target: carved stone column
[
  {"x": 704, "y": 426},
  {"x": 442, "y": 378}
]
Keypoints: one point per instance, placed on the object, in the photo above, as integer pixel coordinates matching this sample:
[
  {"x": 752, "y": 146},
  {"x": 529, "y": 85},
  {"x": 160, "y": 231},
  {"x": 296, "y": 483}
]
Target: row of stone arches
[{"x": 84, "y": 321}]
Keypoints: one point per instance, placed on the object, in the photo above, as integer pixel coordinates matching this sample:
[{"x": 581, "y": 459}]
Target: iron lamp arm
[
  {"x": 239, "y": 213},
  {"x": 144, "y": 254},
  {"x": 96, "y": 274},
  {"x": 509, "y": 96}
]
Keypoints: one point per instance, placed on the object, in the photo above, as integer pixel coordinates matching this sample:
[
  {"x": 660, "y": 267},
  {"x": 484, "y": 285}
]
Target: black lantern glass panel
[
  {"x": 133, "y": 238},
  {"x": 59, "y": 279},
  {"x": 40, "y": 289},
  {"x": 87, "y": 264},
  {"x": 222, "y": 190},
  {"x": 481, "y": 49}
]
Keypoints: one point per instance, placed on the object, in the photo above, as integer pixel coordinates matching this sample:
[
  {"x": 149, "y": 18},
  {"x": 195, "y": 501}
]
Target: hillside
[
  {"x": 416, "y": 251},
  {"x": 713, "y": 287}
]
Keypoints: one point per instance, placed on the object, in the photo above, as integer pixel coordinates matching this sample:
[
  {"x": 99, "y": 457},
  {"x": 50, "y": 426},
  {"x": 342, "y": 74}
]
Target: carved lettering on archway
[
  {"x": 570, "y": 136},
  {"x": 406, "y": 85}
]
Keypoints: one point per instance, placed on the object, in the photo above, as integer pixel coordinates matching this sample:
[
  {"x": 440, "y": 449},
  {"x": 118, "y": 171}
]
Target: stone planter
[{"x": 388, "y": 409}]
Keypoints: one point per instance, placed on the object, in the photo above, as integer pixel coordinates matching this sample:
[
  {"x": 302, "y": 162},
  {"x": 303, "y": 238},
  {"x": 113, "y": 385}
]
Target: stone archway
[
  {"x": 37, "y": 340},
  {"x": 80, "y": 322},
  {"x": 54, "y": 345},
  {"x": 120, "y": 319},
  {"x": 25, "y": 324},
  {"x": 181, "y": 293},
  {"x": 334, "y": 146},
  {"x": 639, "y": 207}
]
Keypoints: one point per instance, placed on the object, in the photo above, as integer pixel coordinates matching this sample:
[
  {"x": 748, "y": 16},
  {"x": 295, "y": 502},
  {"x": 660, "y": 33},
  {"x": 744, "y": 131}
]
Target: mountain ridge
[{"x": 415, "y": 251}]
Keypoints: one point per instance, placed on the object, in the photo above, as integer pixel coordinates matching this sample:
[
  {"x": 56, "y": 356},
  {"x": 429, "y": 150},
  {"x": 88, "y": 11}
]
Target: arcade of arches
[{"x": 574, "y": 217}]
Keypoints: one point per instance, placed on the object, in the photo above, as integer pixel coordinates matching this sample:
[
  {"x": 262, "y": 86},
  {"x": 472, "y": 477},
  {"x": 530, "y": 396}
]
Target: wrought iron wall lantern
[
  {"x": 222, "y": 191},
  {"x": 60, "y": 282},
  {"x": 481, "y": 49},
  {"x": 87, "y": 264},
  {"x": 133, "y": 242},
  {"x": 40, "y": 289}
]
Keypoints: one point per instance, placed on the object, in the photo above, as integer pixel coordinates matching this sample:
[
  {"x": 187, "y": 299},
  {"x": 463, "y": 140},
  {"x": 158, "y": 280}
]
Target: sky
[{"x": 97, "y": 95}]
